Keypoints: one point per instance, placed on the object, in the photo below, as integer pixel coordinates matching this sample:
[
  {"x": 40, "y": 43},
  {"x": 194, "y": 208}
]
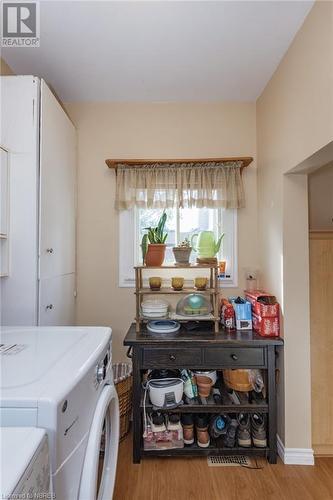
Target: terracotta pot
[
  {"x": 155, "y": 254},
  {"x": 182, "y": 255},
  {"x": 204, "y": 385}
]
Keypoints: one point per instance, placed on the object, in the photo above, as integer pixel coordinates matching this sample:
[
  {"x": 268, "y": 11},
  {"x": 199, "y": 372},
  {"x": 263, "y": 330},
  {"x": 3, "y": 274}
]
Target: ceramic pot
[
  {"x": 155, "y": 254},
  {"x": 155, "y": 283},
  {"x": 200, "y": 283},
  {"x": 204, "y": 385},
  {"x": 182, "y": 255},
  {"x": 177, "y": 283}
]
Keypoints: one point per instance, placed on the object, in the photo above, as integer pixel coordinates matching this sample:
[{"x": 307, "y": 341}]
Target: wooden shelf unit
[
  {"x": 203, "y": 350},
  {"x": 212, "y": 292}
]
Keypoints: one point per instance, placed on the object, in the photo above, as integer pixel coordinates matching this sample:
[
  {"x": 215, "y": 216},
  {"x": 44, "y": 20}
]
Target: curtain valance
[{"x": 208, "y": 184}]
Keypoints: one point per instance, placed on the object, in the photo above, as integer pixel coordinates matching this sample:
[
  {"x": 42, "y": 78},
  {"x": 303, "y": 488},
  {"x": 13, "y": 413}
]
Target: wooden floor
[{"x": 192, "y": 479}]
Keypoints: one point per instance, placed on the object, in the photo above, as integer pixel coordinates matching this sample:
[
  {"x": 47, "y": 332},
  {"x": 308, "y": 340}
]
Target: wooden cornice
[{"x": 113, "y": 163}]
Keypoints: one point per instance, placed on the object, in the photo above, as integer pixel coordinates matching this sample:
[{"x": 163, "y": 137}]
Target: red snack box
[
  {"x": 266, "y": 327},
  {"x": 263, "y": 310}
]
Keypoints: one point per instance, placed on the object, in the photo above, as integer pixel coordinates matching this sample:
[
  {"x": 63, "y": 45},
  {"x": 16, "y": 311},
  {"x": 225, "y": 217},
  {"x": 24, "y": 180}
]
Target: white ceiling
[{"x": 160, "y": 50}]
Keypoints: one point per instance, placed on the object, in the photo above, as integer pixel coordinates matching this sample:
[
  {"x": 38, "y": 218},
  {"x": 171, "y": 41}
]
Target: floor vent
[{"x": 228, "y": 461}]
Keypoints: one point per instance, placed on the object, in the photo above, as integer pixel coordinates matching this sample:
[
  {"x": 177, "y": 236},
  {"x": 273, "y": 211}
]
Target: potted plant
[
  {"x": 153, "y": 243},
  {"x": 182, "y": 253}
]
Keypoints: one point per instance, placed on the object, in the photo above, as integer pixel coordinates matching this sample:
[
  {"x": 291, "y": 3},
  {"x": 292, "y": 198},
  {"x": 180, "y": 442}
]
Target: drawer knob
[
  {"x": 172, "y": 357},
  {"x": 234, "y": 357},
  {"x": 49, "y": 250},
  {"x": 49, "y": 306}
]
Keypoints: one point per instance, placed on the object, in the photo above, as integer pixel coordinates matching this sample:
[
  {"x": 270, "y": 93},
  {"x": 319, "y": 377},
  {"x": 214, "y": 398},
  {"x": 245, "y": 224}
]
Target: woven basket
[{"x": 123, "y": 380}]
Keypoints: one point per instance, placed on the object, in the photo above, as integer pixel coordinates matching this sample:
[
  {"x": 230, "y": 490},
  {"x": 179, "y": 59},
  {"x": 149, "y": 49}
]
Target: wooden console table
[{"x": 203, "y": 350}]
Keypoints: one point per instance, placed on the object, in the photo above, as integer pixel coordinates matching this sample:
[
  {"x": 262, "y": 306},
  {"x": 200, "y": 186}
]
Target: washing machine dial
[{"x": 100, "y": 373}]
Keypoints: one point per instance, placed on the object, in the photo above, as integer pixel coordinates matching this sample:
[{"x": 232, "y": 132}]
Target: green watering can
[{"x": 205, "y": 245}]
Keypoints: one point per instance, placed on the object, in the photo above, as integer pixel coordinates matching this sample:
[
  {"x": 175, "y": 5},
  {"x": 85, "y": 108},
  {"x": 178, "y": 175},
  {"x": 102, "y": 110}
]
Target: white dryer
[
  {"x": 24, "y": 465},
  {"x": 60, "y": 379}
]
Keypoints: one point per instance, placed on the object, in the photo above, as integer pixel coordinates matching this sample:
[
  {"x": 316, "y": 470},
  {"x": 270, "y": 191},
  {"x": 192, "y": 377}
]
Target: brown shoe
[
  {"x": 188, "y": 428},
  {"x": 201, "y": 427}
]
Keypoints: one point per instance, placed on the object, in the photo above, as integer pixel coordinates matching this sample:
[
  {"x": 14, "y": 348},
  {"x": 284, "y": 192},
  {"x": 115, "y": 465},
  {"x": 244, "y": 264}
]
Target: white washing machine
[
  {"x": 60, "y": 379},
  {"x": 24, "y": 465}
]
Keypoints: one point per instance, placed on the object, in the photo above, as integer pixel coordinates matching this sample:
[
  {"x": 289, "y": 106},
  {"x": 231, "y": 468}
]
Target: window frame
[{"x": 128, "y": 246}]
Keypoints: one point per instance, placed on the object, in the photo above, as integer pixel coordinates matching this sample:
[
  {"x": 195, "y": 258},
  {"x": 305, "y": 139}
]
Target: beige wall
[
  {"x": 294, "y": 120},
  {"x": 4, "y": 68},
  {"x": 321, "y": 199},
  {"x": 159, "y": 130}
]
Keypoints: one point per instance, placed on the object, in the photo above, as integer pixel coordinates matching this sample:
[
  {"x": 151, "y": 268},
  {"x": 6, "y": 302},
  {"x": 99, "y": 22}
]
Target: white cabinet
[
  {"x": 57, "y": 188},
  {"x": 4, "y": 192},
  {"x": 57, "y": 301},
  {"x": 41, "y": 143},
  {"x": 4, "y": 204}
]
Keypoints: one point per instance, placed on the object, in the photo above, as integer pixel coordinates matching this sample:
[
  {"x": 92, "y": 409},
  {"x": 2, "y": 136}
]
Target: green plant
[
  {"x": 184, "y": 244},
  {"x": 154, "y": 235}
]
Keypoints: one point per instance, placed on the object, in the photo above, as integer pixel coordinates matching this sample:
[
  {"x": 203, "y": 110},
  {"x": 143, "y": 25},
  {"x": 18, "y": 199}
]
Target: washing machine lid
[
  {"x": 18, "y": 446},
  {"x": 39, "y": 359}
]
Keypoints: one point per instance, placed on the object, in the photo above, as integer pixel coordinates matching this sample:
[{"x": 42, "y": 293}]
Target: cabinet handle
[
  {"x": 172, "y": 357},
  {"x": 49, "y": 306},
  {"x": 234, "y": 357},
  {"x": 129, "y": 352},
  {"x": 49, "y": 250}
]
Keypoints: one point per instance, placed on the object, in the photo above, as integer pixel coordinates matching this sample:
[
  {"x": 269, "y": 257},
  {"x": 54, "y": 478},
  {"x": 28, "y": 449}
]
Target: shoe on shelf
[
  {"x": 201, "y": 427},
  {"x": 188, "y": 428},
  {"x": 229, "y": 440},
  {"x": 218, "y": 425},
  {"x": 258, "y": 425},
  {"x": 244, "y": 430},
  {"x": 157, "y": 422},
  {"x": 173, "y": 422}
]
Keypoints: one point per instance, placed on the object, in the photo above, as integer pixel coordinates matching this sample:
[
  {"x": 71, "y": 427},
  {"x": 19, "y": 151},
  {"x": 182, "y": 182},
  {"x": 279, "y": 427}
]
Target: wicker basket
[{"x": 123, "y": 380}]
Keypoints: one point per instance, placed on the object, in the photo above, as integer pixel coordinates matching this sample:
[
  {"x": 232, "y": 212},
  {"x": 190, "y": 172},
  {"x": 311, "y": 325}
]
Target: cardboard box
[
  {"x": 267, "y": 327},
  {"x": 263, "y": 310}
]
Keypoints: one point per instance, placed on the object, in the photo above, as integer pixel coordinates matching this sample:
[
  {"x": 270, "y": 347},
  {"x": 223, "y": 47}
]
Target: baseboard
[
  {"x": 294, "y": 456},
  {"x": 323, "y": 450}
]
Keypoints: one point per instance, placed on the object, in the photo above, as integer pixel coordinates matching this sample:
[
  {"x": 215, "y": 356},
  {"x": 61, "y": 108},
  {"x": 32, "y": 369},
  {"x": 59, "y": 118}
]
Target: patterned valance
[{"x": 207, "y": 184}]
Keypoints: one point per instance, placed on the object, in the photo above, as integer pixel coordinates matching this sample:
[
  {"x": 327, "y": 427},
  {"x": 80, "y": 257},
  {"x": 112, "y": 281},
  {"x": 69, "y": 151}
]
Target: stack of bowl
[{"x": 154, "y": 308}]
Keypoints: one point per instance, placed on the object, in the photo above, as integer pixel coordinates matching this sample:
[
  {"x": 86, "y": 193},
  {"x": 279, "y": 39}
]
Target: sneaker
[
  {"x": 157, "y": 422},
  {"x": 229, "y": 440},
  {"x": 244, "y": 430},
  {"x": 218, "y": 425},
  {"x": 258, "y": 426},
  {"x": 188, "y": 428},
  {"x": 201, "y": 426}
]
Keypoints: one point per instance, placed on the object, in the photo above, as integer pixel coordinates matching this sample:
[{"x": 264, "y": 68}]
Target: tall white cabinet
[{"x": 40, "y": 139}]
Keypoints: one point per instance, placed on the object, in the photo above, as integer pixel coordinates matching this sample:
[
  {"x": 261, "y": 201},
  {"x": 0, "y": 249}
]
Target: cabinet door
[
  {"x": 57, "y": 301},
  {"x": 57, "y": 188}
]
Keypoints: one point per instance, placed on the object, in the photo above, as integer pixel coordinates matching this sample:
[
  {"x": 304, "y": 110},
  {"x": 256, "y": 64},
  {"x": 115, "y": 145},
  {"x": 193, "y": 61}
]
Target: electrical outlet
[{"x": 251, "y": 274}]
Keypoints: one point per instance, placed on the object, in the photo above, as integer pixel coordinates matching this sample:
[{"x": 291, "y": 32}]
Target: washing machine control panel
[
  {"x": 100, "y": 372},
  {"x": 102, "y": 367}
]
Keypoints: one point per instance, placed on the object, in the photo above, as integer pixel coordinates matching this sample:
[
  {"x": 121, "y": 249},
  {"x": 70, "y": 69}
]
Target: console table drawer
[
  {"x": 169, "y": 357},
  {"x": 234, "y": 356}
]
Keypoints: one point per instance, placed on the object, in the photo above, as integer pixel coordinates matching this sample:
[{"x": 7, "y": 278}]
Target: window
[{"x": 181, "y": 224}]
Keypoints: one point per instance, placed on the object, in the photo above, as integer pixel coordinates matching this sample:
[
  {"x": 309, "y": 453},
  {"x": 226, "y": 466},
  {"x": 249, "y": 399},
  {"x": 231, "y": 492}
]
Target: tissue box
[
  {"x": 263, "y": 310},
  {"x": 266, "y": 327}
]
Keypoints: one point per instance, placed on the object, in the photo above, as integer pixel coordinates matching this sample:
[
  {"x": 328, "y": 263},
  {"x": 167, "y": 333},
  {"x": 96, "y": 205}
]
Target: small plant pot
[
  {"x": 155, "y": 254},
  {"x": 182, "y": 255},
  {"x": 204, "y": 385}
]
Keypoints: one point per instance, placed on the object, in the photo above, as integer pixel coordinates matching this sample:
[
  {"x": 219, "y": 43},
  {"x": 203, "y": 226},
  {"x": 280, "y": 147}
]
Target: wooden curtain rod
[{"x": 246, "y": 160}]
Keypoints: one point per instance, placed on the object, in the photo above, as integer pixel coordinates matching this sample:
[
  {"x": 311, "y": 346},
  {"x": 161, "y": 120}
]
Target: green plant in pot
[
  {"x": 182, "y": 253},
  {"x": 153, "y": 243}
]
